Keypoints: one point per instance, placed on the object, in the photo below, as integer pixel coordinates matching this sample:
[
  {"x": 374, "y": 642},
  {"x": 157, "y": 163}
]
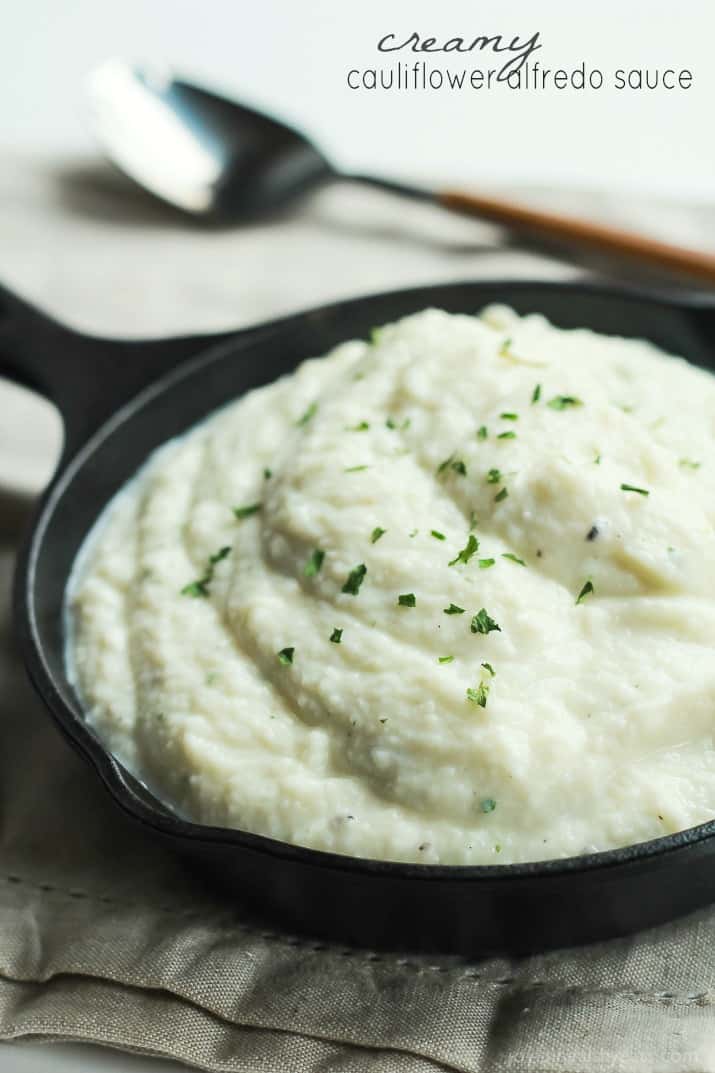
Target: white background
[{"x": 291, "y": 57}]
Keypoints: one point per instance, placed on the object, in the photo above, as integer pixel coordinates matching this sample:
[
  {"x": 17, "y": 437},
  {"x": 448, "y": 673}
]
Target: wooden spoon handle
[{"x": 584, "y": 233}]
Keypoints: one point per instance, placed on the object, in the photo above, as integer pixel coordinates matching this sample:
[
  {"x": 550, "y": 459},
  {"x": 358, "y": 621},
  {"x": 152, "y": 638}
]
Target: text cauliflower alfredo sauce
[{"x": 447, "y": 596}]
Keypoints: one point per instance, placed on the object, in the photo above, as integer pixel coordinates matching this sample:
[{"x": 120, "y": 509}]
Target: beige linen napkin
[{"x": 109, "y": 939}]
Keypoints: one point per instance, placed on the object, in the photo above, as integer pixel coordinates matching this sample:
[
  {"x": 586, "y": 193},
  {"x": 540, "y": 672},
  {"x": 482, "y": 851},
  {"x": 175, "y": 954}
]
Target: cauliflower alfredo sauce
[{"x": 448, "y": 596}]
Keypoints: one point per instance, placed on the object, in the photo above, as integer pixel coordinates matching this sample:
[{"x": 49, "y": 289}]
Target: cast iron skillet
[{"x": 119, "y": 401}]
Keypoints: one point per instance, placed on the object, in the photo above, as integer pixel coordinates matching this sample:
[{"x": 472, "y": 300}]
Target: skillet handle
[{"x": 87, "y": 377}]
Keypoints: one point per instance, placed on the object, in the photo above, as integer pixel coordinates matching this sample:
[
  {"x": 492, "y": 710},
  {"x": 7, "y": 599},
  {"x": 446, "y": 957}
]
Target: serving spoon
[{"x": 214, "y": 158}]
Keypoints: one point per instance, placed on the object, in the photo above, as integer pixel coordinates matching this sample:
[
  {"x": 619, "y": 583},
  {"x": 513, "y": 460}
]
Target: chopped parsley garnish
[
  {"x": 507, "y": 435},
  {"x": 314, "y": 563},
  {"x": 336, "y": 636},
  {"x": 196, "y": 588},
  {"x": 484, "y": 564},
  {"x": 597, "y": 460},
  {"x": 391, "y": 423},
  {"x": 375, "y": 334},
  {"x": 472, "y": 519},
  {"x": 267, "y": 474},
  {"x": 633, "y": 488},
  {"x": 200, "y": 587},
  {"x": 536, "y": 395},
  {"x": 362, "y": 426},
  {"x": 479, "y": 695},
  {"x": 488, "y": 667},
  {"x": 285, "y": 656},
  {"x": 455, "y": 464},
  {"x": 413, "y": 533},
  {"x": 246, "y": 512},
  {"x": 437, "y": 535},
  {"x": 308, "y": 415},
  {"x": 487, "y": 804},
  {"x": 501, "y": 495},
  {"x": 407, "y": 599},
  {"x": 585, "y": 591},
  {"x": 376, "y": 534},
  {"x": 454, "y": 609},
  {"x": 483, "y": 623},
  {"x": 504, "y": 348},
  {"x": 469, "y": 549},
  {"x": 354, "y": 469},
  {"x": 445, "y": 659},
  {"x": 493, "y": 476},
  {"x": 354, "y": 580},
  {"x": 482, "y": 432},
  {"x": 509, "y": 417},
  {"x": 513, "y": 558},
  {"x": 406, "y": 424},
  {"x": 688, "y": 463},
  {"x": 563, "y": 402}
]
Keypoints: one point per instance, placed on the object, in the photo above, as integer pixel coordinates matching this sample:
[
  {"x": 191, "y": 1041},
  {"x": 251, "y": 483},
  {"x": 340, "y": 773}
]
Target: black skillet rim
[{"x": 117, "y": 780}]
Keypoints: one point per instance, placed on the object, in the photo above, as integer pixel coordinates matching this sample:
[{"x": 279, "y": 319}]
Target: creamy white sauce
[{"x": 597, "y": 729}]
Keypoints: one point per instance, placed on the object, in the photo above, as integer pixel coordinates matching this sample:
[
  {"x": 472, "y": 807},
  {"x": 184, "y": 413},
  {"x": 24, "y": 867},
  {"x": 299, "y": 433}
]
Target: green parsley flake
[
  {"x": 437, "y": 535},
  {"x": 454, "y": 609},
  {"x": 336, "y": 636},
  {"x": 354, "y": 580},
  {"x": 482, "y": 432},
  {"x": 354, "y": 469},
  {"x": 413, "y": 533},
  {"x": 479, "y": 695},
  {"x": 488, "y": 667},
  {"x": 362, "y": 426},
  {"x": 493, "y": 476},
  {"x": 391, "y": 423},
  {"x": 470, "y": 548},
  {"x": 196, "y": 588},
  {"x": 585, "y": 591},
  {"x": 445, "y": 659},
  {"x": 246, "y": 512},
  {"x": 406, "y": 424},
  {"x": 501, "y": 495},
  {"x": 487, "y": 804},
  {"x": 563, "y": 402},
  {"x": 376, "y": 534},
  {"x": 483, "y": 623},
  {"x": 285, "y": 656},
  {"x": 536, "y": 394},
  {"x": 407, "y": 599},
  {"x": 633, "y": 488},
  {"x": 507, "y": 436},
  {"x": 308, "y": 415},
  {"x": 455, "y": 464},
  {"x": 314, "y": 563},
  {"x": 687, "y": 463},
  {"x": 267, "y": 474},
  {"x": 513, "y": 558},
  {"x": 200, "y": 587},
  {"x": 504, "y": 348},
  {"x": 509, "y": 417},
  {"x": 597, "y": 460},
  {"x": 484, "y": 564}
]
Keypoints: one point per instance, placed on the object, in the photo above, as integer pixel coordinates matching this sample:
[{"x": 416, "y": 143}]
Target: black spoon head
[{"x": 200, "y": 152}]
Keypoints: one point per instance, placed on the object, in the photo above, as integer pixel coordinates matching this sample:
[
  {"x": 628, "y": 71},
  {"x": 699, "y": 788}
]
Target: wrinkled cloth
[{"x": 105, "y": 937}]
